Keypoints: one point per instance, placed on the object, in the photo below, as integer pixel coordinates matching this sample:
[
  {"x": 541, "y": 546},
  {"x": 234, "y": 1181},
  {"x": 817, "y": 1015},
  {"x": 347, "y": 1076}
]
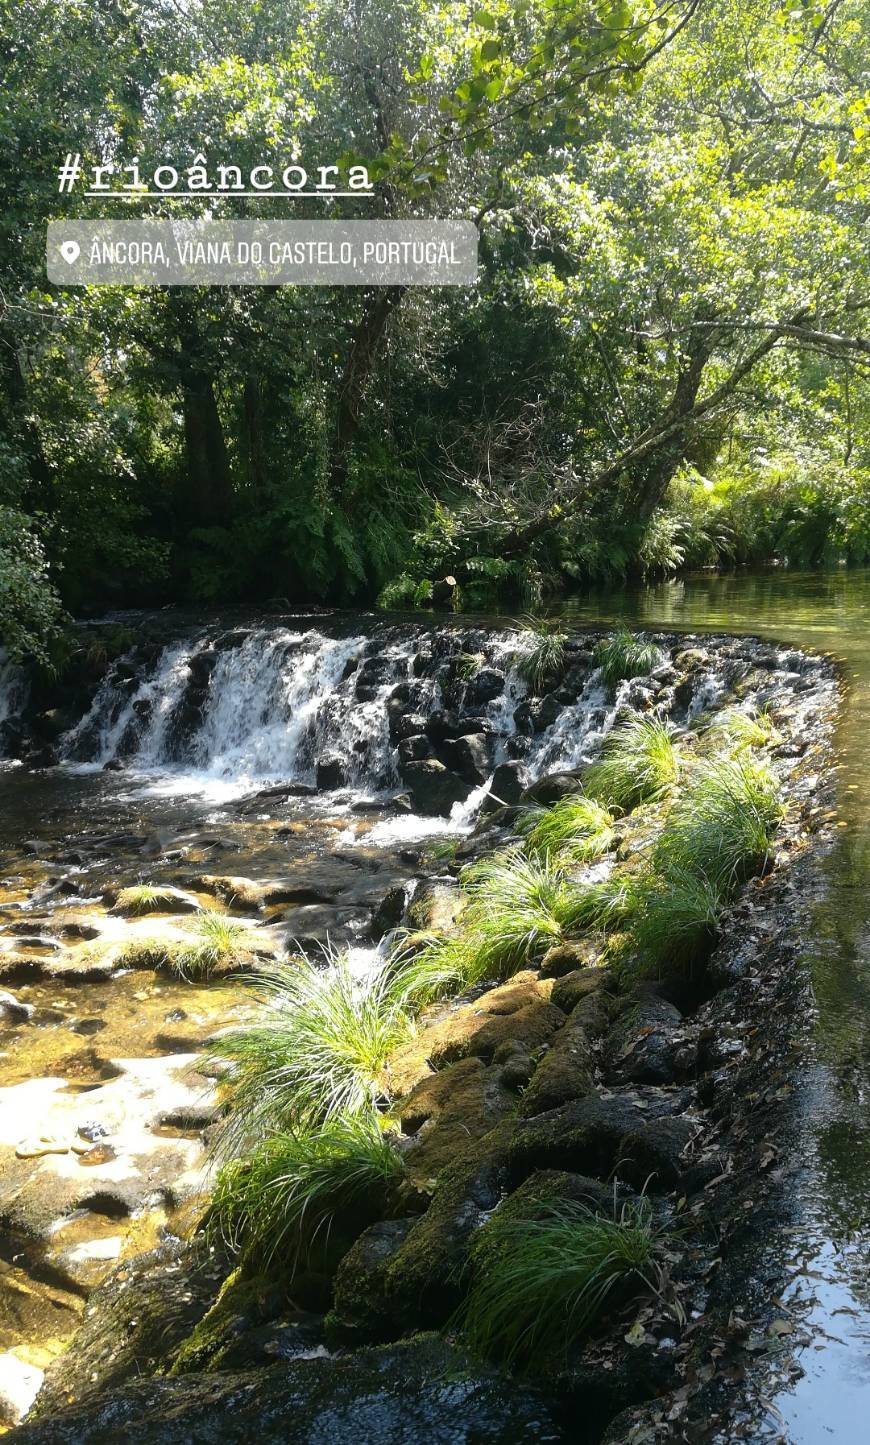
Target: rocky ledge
[{"x": 573, "y": 1080}]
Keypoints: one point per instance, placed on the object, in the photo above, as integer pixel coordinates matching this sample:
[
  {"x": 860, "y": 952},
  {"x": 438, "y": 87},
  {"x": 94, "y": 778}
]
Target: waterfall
[
  {"x": 229, "y": 712},
  {"x": 14, "y": 693}
]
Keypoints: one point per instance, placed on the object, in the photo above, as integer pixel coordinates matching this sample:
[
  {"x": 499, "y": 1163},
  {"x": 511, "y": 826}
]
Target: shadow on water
[{"x": 827, "y": 1254}]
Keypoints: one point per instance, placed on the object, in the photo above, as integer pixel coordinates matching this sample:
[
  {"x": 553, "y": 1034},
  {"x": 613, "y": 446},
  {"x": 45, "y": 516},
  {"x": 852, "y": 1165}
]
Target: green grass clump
[
  {"x": 544, "y": 658},
  {"x": 518, "y": 908},
  {"x": 143, "y": 898},
  {"x": 575, "y": 829},
  {"x": 722, "y": 827},
  {"x": 623, "y": 656},
  {"x": 675, "y": 917},
  {"x": 639, "y": 764},
  {"x": 736, "y": 731},
  {"x": 543, "y": 1281},
  {"x": 287, "y": 1194},
  {"x": 315, "y": 1046},
  {"x": 222, "y": 942}
]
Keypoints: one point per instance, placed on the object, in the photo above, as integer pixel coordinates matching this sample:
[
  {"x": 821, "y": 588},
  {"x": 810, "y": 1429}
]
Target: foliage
[
  {"x": 221, "y": 941},
  {"x": 544, "y": 1279},
  {"x": 722, "y": 826},
  {"x": 624, "y": 656},
  {"x": 676, "y": 914},
  {"x": 639, "y": 764},
  {"x": 30, "y": 610},
  {"x": 575, "y": 829},
  {"x": 275, "y": 1204}
]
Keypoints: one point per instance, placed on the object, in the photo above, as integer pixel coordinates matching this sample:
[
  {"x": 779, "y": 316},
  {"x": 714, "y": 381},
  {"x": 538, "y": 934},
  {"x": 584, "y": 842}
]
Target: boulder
[
  {"x": 567, "y": 1070},
  {"x": 468, "y": 756},
  {"x": 12, "y": 1010},
  {"x": 552, "y": 787},
  {"x": 641, "y": 1046},
  {"x": 330, "y": 774},
  {"x": 414, "y": 749},
  {"x": 460, "y": 1103},
  {"x": 508, "y": 781},
  {"x": 485, "y": 685},
  {"x": 433, "y": 788}
]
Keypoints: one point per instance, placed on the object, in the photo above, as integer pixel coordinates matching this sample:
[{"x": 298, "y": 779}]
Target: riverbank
[{"x": 478, "y": 1087}]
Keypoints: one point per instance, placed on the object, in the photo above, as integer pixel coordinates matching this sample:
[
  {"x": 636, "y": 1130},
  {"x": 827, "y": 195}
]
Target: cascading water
[
  {"x": 224, "y": 713},
  {"x": 14, "y": 688}
]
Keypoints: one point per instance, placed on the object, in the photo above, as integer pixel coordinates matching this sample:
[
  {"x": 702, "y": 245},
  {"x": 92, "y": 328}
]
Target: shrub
[
  {"x": 144, "y": 898},
  {"x": 543, "y": 1281},
  {"x": 286, "y": 1195},
  {"x": 623, "y": 656},
  {"x": 639, "y": 764},
  {"x": 734, "y": 731},
  {"x": 575, "y": 829},
  {"x": 315, "y": 1047},
  {"x": 722, "y": 827}
]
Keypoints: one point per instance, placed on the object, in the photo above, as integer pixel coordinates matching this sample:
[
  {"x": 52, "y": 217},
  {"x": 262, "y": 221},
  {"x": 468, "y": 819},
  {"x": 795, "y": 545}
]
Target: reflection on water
[{"x": 830, "y": 613}]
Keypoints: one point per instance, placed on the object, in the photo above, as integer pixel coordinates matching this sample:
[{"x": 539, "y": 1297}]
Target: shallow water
[{"x": 827, "y": 1243}]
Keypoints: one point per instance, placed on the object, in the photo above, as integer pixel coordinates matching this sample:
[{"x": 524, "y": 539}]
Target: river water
[{"x": 825, "y": 1244}]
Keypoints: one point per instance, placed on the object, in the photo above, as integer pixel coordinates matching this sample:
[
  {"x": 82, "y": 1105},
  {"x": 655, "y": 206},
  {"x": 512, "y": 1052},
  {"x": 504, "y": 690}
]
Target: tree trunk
[
  {"x": 209, "y": 493},
  {"x": 357, "y": 374}
]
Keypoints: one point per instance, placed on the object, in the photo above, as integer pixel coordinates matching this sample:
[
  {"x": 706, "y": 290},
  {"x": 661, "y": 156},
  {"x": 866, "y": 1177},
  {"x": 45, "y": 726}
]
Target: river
[{"x": 188, "y": 816}]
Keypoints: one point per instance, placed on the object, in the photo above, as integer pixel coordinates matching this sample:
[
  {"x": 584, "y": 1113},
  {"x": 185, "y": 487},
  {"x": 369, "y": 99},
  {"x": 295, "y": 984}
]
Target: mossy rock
[{"x": 250, "y": 1322}]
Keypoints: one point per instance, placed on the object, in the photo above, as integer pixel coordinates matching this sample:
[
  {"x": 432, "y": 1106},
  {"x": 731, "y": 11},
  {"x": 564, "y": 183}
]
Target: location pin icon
[{"x": 70, "y": 251}]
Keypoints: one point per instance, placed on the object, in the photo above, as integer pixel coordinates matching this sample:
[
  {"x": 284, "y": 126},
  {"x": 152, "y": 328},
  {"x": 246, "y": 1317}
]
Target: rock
[
  {"x": 570, "y": 988},
  {"x": 654, "y": 1152},
  {"x": 19, "y": 1386},
  {"x": 12, "y": 1010},
  {"x": 586, "y": 1136},
  {"x": 435, "y": 907},
  {"x": 551, "y": 788},
  {"x": 508, "y": 782},
  {"x": 444, "y": 592},
  {"x": 313, "y": 925},
  {"x": 330, "y": 774},
  {"x": 251, "y": 1322},
  {"x": 640, "y": 1045},
  {"x": 414, "y": 749},
  {"x": 420, "y": 1389},
  {"x": 388, "y": 913},
  {"x": 464, "y": 1101},
  {"x": 135, "y": 1322},
  {"x": 130, "y": 903},
  {"x": 567, "y": 1070},
  {"x": 486, "y": 684},
  {"x": 433, "y": 788},
  {"x": 468, "y": 756},
  {"x": 358, "y": 1314},
  {"x": 564, "y": 958}
]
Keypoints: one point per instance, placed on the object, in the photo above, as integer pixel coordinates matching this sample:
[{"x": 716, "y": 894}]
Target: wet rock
[
  {"x": 508, "y": 781},
  {"x": 435, "y": 906},
  {"x": 468, "y": 756},
  {"x": 12, "y": 1010},
  {"x": 361, "y": 1311},
  {"x": 313, "y": 926},
  {"x": 388, "y": 913},
  {"x": 585, "y": 1136},
  {"x": 552, "y": 787},
  {"x": 250, "y": 1323},
  {"x": 330, "y": 774},
  {"x": 134, "y": 1323},
  {"x": 640, "y": 1047},
  {"x": 433, "y": 788},
  {"x": 129, "y": 903},
  {"x": 486, "y": 684}
]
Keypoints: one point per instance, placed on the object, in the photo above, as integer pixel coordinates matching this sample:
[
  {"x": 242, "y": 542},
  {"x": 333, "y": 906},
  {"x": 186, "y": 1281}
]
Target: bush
[
  {"x": 623, "y": 656},
  {"x": 543, "y": 1281},
  {"x": 287, "y": 1194},
  {"x": 676, "y": 916},
  {"x": 543, "y": 660},
  {"x": 638, "y": 764},
  {"x": 576, "y": 829},
  {"x": 223, "y": 941},
  {"x": 30, "y": 610}
]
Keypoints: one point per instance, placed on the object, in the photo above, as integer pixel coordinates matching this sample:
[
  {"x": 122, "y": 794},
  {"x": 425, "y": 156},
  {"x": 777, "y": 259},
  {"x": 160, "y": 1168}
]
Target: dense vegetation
[{"x": 663, "y": 363}]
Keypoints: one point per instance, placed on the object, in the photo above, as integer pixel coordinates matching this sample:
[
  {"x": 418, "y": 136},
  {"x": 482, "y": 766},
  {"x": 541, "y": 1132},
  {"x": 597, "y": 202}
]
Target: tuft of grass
[
  {"x": 543, "y": 1281},
  {"x": 575, "y": 829},
  {"x": 518, "y": 907},
  {"x": 142, "y": 898},
  {"x": 736, "y": 731},
  {"x": 623, "y": 656},
  {"x": 315, "y": 1046},
  {"x": 543, "y": 660},
  {"x": 676, "y": 917},
  {"x": 722, "y": 827},
  {"x": 639, "y": 763},
  {"x": 222, "y": 942},
  {"x": 286, "y": 1195}
]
